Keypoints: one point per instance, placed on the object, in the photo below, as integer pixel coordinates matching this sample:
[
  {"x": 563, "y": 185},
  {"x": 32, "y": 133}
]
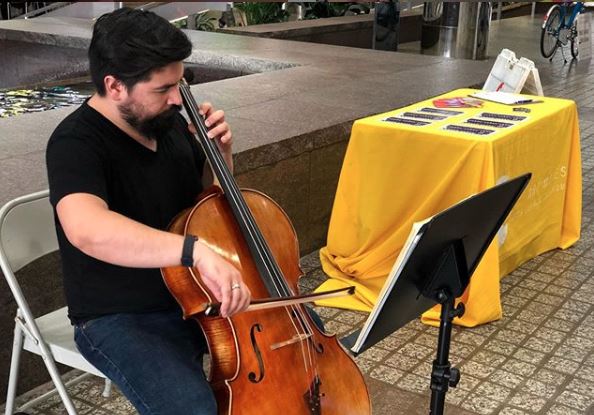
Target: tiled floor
[{"x": 537, "y": 360}]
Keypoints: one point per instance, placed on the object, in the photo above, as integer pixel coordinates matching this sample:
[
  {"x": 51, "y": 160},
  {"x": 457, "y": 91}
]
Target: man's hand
[
  {"x": 218, "y": 128},
  {"x": 222, "y": 279}
]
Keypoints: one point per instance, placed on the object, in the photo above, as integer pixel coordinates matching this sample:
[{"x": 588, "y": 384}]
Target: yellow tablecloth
[{"x": 395, "y": 174}]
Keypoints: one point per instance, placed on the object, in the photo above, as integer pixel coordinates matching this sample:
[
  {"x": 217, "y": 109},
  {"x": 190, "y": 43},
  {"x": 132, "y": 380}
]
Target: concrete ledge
[
  {"x": 299, "y": 99},
  {"x": 65, "y": 32},
  {"x": 352, "y": 31}
]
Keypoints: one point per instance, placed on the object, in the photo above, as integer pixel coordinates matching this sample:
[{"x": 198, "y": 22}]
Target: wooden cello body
[
  {"x": 269, "y": 361},
  {"x": 264, "y": 362}
]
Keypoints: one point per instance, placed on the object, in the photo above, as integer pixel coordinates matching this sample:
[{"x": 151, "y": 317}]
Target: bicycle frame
[
  {"x": 577, "y": 9},
  {"x": 559, "y": 28}
]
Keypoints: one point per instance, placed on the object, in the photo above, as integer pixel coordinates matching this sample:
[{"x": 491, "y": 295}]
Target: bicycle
[{"x": 559, "y": 28}]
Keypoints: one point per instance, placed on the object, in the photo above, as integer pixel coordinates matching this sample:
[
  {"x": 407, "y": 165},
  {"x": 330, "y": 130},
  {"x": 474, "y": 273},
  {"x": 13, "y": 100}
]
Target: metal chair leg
[
  {"x": 17, "y": 348},
  {"x": 55, "y": 375},
  {"x": 107, "y": 389},
  {"x": 50, "y": 364}
]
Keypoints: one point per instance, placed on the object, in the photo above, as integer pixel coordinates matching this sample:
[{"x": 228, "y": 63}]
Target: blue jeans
[{"x": 154, "y": 358}]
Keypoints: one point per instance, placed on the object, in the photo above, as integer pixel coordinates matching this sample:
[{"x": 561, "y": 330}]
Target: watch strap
[{"x": 187, "y": 259}]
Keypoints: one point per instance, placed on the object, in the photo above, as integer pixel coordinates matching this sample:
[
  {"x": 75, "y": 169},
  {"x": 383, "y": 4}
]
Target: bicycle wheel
[
  {"x": 574, "y": 39},
  {"x": 548, "y": 37}
]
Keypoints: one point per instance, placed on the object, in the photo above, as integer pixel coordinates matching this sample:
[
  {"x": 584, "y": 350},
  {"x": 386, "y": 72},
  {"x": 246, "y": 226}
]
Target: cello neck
[{"x": 267, "y": 267}]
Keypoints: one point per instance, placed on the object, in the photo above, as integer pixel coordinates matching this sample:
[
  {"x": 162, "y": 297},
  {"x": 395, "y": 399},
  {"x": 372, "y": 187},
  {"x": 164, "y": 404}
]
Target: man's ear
[{"x": 114, "y": 88}]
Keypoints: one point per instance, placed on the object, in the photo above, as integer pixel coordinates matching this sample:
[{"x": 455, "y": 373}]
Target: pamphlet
[{"x": 457, "y": 102}]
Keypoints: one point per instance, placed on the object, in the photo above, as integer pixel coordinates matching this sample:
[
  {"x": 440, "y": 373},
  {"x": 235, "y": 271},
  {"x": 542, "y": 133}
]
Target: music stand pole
[{"x": 443, "y": 375}]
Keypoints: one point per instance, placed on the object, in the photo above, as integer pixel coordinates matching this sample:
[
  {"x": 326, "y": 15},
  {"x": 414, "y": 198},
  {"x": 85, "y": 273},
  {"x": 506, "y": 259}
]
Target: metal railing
[
  {"x": 36, "y": 11},
  {"x": 499, "y": 8}
]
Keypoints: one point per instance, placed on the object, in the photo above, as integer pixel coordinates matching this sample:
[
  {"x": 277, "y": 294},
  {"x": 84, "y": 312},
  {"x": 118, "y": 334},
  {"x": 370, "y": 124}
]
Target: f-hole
[{"x": 252, "y": 376}]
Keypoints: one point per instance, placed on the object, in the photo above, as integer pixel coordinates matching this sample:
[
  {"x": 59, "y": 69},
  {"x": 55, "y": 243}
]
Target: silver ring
[{"x": 235, "y": 286}]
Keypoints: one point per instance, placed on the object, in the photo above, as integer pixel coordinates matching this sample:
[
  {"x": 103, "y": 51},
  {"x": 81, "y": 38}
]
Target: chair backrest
[{"x": 27, "y": 232}]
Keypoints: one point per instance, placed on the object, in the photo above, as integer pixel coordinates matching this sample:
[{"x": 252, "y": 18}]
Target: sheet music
[{"x": 418, "y": 228}]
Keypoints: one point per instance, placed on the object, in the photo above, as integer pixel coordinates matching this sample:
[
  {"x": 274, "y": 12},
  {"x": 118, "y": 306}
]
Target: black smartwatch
[{"x": 187, "y": 259}]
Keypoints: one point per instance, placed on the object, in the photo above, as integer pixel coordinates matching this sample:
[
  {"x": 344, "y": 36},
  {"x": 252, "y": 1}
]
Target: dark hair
[{"x": 129, "y": 44}]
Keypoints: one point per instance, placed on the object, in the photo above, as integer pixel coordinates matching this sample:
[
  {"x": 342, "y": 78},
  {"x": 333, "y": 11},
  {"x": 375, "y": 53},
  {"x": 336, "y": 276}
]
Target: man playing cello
[{"x": 120, "y": 168}]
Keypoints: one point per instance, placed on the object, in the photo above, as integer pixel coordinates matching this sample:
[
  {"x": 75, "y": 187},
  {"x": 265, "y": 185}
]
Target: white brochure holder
[{"x": 510, "y": 74}]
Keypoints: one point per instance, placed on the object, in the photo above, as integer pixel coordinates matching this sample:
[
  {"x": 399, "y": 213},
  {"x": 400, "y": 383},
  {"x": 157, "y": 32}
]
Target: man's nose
[{"x": 175, "y": 97}]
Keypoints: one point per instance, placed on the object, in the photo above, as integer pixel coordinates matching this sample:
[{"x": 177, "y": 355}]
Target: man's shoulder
[
  {"x": 82, "y": 130},
  {"x": 81, "y": 124}
]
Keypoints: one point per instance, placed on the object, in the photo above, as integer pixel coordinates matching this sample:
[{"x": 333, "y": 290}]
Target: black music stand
[{"x": 434, "y": 268}]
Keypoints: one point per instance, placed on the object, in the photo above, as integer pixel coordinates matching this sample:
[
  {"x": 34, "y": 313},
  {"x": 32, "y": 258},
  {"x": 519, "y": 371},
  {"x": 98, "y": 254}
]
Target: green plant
[
  {"x": 259, "y": 13},
  {"x": 204, "y": 22}
]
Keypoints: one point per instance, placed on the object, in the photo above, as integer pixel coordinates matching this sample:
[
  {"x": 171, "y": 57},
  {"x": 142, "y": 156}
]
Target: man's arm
[{"x": 108, "y": 236}]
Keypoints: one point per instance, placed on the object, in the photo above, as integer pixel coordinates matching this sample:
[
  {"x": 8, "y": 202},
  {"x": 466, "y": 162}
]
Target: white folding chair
[{"x": 27, "y": 232}]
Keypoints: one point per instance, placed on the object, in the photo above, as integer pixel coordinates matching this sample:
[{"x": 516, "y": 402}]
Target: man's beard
[{"x": 154, "y": 127}]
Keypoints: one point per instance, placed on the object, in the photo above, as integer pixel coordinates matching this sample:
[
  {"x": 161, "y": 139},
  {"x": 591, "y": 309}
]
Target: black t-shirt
[{"x": 89, "y": 154}]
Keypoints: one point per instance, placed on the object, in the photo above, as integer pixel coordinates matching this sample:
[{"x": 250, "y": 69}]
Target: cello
[{"x": 267, "y": 361}]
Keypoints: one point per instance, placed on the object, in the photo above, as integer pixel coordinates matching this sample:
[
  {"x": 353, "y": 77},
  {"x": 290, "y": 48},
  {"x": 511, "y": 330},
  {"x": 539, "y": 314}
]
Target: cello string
[
  {"x": 261, "y": 249},
  {"x": 309, "y": 365},
  {"x": 275, "y": 272},
  {"x": 277, "y": 279},
  {"x": 227, "y": 183},
  {"x": 308, "y": 355}
]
